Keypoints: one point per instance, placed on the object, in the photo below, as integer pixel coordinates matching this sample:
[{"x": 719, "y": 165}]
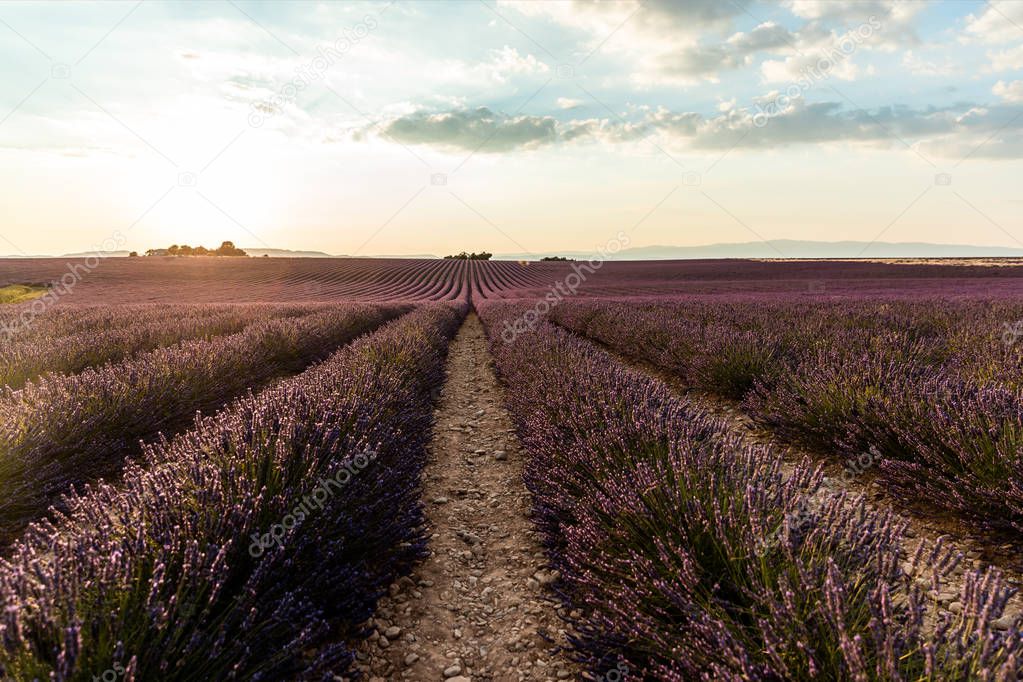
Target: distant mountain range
[
  {"x": 83, "y": 254},
  {"x": 285, "y": 253},
  {"x": 776, "y": 248},
  {"x": 790, "y": 248}
]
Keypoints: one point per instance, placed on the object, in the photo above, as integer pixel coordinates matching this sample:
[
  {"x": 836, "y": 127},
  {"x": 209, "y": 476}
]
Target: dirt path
[{"x": 477, "y": 608}]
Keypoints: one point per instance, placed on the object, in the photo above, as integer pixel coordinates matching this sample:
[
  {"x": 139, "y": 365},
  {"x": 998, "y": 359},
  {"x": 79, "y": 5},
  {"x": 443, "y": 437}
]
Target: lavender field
[
  {"x": 511, "y": 341},
  {"x": 691, "y": 471}
]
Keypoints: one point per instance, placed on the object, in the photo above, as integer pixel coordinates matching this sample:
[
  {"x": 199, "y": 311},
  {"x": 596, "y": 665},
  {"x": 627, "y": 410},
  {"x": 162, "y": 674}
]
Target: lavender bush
[
  {"x": 156, "y": 576},
  {"x": 688, "y": 556},
  {"x": 61, "y": 430},
  {"x": 932, "y": 385},
  {"x": 77, "y": 320},
  {"x": 123, "y": 331}
]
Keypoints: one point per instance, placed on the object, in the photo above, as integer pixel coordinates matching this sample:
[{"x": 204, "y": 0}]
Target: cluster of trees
[
  {"x": 226, "y": 249},
  {"x": 557, "y": 258},
  {"x": 483, "y": 255}
]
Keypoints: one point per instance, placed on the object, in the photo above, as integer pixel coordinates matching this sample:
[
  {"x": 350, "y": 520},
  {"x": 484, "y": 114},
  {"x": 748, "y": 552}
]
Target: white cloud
[
  {"x": 707, "y": 60},
  {"x": 918, "y": 66},
  {"x": 794, "y": 123},
  {"x": 810, "y": 67},
  {"x": 1006, "y": 60},
  {"x": 999, "y": 23},
  {"x": 819, "y": 54},
  {"x": 569, "y": 103},
  {"x": 673, "y": 42},
  {"x": 660, "y": 38},
  {"x": 841, "y": 11},
  {"x": 508, "y": 62},
  {"x": 894, "y": 18},
  {"x": 661, "y": 17},
  {"x": 501, "y": 67},
  {"x": 945, "y": 131},
  {"x": 472, "y": 129},
  {"x": 1010, "y": 92}
]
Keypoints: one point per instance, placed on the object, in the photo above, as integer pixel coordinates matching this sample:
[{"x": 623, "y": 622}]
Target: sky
[{"x": 434, "y": 127}]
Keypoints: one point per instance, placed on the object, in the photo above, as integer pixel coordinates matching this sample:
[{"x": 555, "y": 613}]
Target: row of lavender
[
  {"x": 67, "y": 321},
  {"x": 71, "y": 339},
  {"x": 250, "y": 547},
  {"x": 933, "y": 387},
  {"x": 686, "y": 555},
  {"x": 60, "y": 430}
]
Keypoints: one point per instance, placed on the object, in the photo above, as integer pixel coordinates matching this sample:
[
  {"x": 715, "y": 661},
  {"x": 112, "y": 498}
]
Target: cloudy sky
[{"x": 430, "y": 127}]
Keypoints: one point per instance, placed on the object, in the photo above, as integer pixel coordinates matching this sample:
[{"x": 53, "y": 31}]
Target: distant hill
[
  {"x": 288, "y": 253},
  {"x": 414, "y": 255},
  {"x": 285, "y": 253},
  {"x": 790, "y": 248},
  {"x": 86, "y": 254}
]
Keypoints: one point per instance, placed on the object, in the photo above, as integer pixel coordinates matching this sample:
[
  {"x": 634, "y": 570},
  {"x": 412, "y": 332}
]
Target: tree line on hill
[
  {"x": 226, "y": 249},
  {"x": 483, "y": 255}
]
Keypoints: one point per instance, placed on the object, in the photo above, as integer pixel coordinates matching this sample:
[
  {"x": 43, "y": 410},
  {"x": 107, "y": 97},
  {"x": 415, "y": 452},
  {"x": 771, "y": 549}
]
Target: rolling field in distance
[{"x": 202, "y": 280}]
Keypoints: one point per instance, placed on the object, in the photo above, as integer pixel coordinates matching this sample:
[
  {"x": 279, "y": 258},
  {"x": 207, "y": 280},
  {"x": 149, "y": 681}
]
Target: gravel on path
[{"x": 478, "y": 607}]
